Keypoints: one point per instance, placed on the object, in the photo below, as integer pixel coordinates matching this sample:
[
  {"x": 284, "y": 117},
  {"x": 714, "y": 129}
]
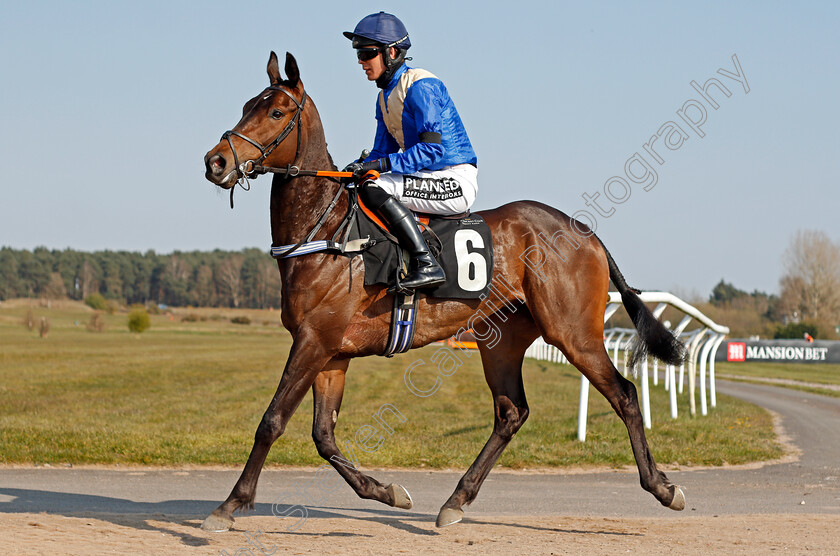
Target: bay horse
[{"x": 333, "y": 317}]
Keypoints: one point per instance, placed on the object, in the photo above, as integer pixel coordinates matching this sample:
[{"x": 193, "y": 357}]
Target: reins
[{"x": 292, "y": 171}]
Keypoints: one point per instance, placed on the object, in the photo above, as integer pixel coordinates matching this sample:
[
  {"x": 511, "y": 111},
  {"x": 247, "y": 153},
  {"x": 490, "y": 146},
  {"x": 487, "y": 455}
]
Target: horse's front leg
[
  {"x": 306, "y": 359},
  {"x": 328, "y": 391}
]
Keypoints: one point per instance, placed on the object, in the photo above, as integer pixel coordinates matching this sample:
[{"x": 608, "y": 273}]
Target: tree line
[
  {"x": 808, "y": 299},
  {"x": 247, "y": 278}
]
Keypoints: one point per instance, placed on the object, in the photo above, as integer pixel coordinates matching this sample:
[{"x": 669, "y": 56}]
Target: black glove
[{"x": 359, "y": 169}]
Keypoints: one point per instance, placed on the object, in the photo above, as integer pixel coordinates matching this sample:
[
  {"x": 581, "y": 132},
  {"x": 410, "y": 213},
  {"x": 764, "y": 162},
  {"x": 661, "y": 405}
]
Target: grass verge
[
  {"x": 193, "y": 392},
  {"x": 807, "y": 377}
]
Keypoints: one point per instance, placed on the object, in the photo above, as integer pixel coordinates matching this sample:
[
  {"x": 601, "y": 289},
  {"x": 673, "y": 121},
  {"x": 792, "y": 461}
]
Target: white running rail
[{"x": 701, "y": 345}]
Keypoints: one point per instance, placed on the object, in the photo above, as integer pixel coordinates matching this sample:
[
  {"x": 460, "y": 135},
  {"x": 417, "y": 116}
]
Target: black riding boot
[{"x": 424, "y": 271}]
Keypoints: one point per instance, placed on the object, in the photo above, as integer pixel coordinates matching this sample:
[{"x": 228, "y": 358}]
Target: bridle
[
  {"x": 250, "y": 169},
  {"x": 246, "y": 169}
]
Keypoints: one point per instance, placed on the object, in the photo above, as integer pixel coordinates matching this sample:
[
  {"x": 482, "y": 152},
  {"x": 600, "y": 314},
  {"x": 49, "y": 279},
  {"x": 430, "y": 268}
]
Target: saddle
[{"x": 461, "y": 244}]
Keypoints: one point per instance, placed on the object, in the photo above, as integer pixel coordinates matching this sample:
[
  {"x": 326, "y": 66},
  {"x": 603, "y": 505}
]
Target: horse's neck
[
  {"x": 298, "y": 204},
  {"x": 296, "y": 207}
]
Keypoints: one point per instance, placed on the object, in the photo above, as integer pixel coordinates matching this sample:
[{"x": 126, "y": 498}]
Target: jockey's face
[{"x": 375, "y": 67}]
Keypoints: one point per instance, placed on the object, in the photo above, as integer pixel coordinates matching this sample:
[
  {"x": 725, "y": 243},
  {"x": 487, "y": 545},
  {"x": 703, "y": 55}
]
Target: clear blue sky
[{"x": 107, "y": 109}]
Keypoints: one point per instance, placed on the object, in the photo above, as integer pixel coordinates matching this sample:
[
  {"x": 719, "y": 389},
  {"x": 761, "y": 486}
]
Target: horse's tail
[{"x": 653, "y": 337}]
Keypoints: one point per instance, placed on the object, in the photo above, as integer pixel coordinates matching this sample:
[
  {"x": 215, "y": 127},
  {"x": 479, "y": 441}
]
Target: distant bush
[
  {"x": 139, "y": 321},
  {"x": 29, "y": 319},
  {"x": 97, "y": 322},
  {"x": 797, "y": 330},
  {"x": 96, "y": 301},
  {"x": 240, "y": 320},
  {"x": 192, "y": 317}
]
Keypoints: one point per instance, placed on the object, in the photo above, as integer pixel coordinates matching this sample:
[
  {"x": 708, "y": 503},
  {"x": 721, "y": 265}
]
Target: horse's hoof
[
  {"x": 217, "y": 523},
  {"x": 678, "y": 503},
  {"x": 401, "y": 497},
  {"x": 449, "y": 516}
]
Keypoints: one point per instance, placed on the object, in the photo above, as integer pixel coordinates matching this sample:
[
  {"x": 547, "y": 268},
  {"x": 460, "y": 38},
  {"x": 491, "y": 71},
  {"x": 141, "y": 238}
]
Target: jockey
[{"x": 421, "y": 148}]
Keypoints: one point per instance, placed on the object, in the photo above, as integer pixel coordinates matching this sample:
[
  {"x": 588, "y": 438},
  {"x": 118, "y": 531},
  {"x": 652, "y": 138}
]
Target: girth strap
[{"x": 402, "y": 324}]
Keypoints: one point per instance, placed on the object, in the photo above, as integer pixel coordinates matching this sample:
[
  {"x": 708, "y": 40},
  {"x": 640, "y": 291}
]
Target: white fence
[{"x": 701, "y": 344}]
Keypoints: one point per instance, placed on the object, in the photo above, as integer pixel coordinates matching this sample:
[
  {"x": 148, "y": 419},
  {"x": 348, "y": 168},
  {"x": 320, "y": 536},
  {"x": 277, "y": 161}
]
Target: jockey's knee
[{"x": 373, "y": 196}]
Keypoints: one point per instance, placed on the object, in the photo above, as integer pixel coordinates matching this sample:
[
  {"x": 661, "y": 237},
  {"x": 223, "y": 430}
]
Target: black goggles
[{"x": 365, "y": 54}]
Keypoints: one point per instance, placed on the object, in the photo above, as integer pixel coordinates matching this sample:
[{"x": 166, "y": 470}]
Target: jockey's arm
[
  {"x": 383, "y": 143},
  {"x": 425, "y": 149}
]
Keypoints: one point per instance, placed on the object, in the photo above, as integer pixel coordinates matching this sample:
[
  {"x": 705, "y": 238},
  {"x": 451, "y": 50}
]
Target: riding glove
[{"x": 359, "y": 169}]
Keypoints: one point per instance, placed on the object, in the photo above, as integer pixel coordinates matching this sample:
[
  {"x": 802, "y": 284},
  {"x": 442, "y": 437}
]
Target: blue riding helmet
[{"x": 382, "y": 28}]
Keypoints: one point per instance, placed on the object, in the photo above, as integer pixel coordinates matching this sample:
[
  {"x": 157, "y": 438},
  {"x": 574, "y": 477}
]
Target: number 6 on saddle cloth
[{"x": 461, "y": 244}]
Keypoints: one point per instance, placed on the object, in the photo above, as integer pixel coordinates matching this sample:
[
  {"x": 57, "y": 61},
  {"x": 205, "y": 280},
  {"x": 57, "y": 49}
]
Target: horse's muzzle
[{"x": 219, "y": 170}]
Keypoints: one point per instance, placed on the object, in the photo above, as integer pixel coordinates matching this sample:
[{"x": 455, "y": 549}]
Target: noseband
[{"x": 245, "y": 170}]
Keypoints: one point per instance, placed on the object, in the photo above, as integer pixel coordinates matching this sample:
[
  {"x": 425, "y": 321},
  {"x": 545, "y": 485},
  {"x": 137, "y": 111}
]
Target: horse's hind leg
[
  {"x": 621, "y": 393},
  {"x": 569, "y": 311},
  {"x": 587, "y": 353},
  {"x": 503, "y": 372},
  {"x": 328, "y": 391}
]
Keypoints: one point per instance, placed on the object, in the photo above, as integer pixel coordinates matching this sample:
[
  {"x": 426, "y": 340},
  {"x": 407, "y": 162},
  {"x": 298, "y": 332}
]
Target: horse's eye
[{"x": 276, "y": 114}]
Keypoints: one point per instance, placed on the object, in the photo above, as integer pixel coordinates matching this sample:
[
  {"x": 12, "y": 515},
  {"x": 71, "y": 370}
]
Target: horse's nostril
[{"x": 216, "y": 164}]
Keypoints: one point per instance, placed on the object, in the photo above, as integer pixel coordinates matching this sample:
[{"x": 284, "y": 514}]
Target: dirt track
[
  {"x": 753, "y": 534},
  {"x": 792, "y": 505}
]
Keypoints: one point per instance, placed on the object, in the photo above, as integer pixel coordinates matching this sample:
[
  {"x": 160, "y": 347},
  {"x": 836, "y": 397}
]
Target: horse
[{"x": 333, "y": 317}]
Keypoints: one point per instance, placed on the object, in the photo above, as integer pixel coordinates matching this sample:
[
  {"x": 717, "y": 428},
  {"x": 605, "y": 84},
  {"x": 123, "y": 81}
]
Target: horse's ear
[
  {"x": 273, "y": 69},
  {"x": 292, "y": 71}
]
